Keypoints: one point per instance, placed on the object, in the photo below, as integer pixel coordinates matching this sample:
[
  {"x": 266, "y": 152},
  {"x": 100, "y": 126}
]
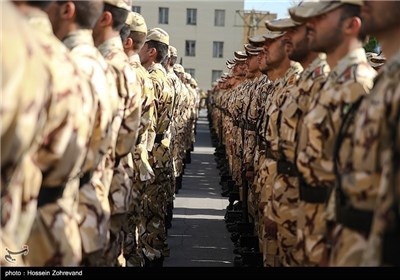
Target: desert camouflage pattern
[
  {"x": 54, "y": 239},
  {"x": 269, "y": 168},
  {"x": 143, "y": 172},
  {"x": 347, "y": 82},
  {"x": 25, "y": 91},
  {"x": 368, "y": 171},
  {"x": 285, "y": 191},
  {"x": 152, "y": 223}
]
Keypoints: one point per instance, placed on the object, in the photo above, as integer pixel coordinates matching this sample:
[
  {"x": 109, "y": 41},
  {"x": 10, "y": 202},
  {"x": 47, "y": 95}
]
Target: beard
[{"x": 300, "y": 51}]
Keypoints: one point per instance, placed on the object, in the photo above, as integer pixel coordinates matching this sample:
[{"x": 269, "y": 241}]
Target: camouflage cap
[
  {"x": 257, "y": 41},
  {"x": 273, "y": 34},
  {"x": 123, "y": 4},
  {"x": 252, "y": 50},
  {"x": 178, "y": 68},
  {"x": 312, "y": 9},
  {"x": 173, "y": 51},
  {"x": 187, "y": 76},
  {"x": 136, "y": 22},
  {"x": 158, "y": 34},
  {"x": 240, "y": 56},
  {"x": 375, "y": 60},
  {"x": 193, "y": 82},
  {"x": 282, "y": 24}
]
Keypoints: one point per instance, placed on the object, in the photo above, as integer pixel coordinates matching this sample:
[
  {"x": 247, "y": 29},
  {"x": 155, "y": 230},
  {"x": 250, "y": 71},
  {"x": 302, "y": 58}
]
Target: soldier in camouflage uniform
[
  {"x": 152, "y": 234},
  {"x": 367, "y": 197},
  {"x": 25, "y": 90},
  {"x": 75, "y": 30},
  {"x": 350, "y": 78},
  {"x": 133, "y": 36},
  {"x": 55, "y": 239},
  {"x": 119, "y": 173},
  {"x": 285, "y": 190}
]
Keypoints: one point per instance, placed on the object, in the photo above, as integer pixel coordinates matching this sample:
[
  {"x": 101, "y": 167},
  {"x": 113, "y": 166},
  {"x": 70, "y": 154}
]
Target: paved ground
[{"x": 198, "y": 236}]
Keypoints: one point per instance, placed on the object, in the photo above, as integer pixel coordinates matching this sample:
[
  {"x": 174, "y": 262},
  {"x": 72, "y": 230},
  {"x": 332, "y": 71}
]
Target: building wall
[{"x": 204, "y": 33}]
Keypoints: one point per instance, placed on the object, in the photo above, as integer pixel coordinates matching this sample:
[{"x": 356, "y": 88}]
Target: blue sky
[{"x": 274, "y": 6}]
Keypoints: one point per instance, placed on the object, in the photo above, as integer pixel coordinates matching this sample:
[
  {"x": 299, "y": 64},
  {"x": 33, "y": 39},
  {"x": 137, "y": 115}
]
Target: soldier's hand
[{"x": 270, "y": 228}]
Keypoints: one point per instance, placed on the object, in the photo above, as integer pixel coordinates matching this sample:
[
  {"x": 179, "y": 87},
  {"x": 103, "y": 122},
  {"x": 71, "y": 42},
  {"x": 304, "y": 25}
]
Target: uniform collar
[
  {"x": 40, "y": 21},
  {"x": 78, "y": 37},
  {"x": 355, "y": 56},
  {"x": 113, "y": 43}
]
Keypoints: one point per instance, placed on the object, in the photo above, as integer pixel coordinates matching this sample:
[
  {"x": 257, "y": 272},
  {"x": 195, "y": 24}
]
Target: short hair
[
  {"x": 162, "y": 50},
  {"x": 138, "y": 38},
  {"x": 172, "y": 60},
  {"x": 119, "y": 16},
  {"x": 39, "y": 4},
  {"x": 88, "y": 12},
  {"x": 348, "y": 11},
  {"x": 124, "y": 33}
]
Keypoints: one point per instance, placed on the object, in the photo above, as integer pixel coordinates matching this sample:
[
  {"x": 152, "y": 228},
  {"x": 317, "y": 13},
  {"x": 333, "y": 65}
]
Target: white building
[{"x": 204, "y": 32}]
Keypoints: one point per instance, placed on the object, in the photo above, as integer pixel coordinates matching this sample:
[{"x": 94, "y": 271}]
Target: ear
[
  {"x": 152, "y": 52},
  {"x": 352, "y": 26},
  {"x": 106, "y": 19},
  {"x": 67, "y": 10},
  {"x": 128, "y": 44}
]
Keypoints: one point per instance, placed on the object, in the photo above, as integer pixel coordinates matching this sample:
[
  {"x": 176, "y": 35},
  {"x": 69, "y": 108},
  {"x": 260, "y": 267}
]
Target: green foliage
[{"x": 372, "y": 45}]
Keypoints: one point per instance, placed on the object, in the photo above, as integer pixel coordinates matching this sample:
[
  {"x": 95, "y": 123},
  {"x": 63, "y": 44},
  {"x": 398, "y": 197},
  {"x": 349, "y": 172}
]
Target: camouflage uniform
[
  {"x": 347, "y": 82},
  {"x": 152, "y": 225},
  {"x": 268, "y": 169},
  {"x": 285, "y": 190},
  {"x": 93, "y": 231},
  {"x": 125, "y": 131},
  {"x": 142, "y": 169},
  {"x": 368, "y": 174},
  {"x": 24, "y": 93},
  {"x": 55, "y": 239}
]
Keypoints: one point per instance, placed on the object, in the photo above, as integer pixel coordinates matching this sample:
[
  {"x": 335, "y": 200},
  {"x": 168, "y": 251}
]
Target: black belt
[
  {"x": 138, "y": 140},
  {"x": 250, "y": 126},
  {"x": 87, "y": 176},
  {"x": 287, "y": 167},
  {"x": 262, "y": 145},
  {"x": 313, "y": 194},
  {"x": 159, "y": 138},
  {"x": 49, "y": 194},
  {"x": 358, "y": 220}
]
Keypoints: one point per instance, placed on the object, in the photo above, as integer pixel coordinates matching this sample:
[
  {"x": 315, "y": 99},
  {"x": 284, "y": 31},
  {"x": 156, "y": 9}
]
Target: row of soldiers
[
  {"x": 311, "y": 136},
  {"x": 97, "y": 123}
]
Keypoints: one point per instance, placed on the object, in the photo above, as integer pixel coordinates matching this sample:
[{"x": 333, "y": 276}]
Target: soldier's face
[
  {"x": 275, "y": 52},
  {"x": 380, "y": 16},
  {"x": 53, "y": 12},
  {"x": 324, "y": 32},
  {"x": 252, "y": 64},
  {"x": 300, "y": 43},
  {"x": 144, "y": 54},
  {"x": 262, "y": 62}
]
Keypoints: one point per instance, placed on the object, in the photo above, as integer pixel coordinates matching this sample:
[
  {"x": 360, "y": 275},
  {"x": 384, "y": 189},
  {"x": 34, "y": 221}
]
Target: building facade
[{"x": 204, "y": 32}]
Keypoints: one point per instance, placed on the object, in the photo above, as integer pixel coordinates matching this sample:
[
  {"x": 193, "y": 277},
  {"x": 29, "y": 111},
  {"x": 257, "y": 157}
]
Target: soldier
[
  {"x": 333, "y": 27},
  {"x": 133, "y": 40},
  {"x": 285, "y": 191},
  {"x": 152, "y": 235},
  {"x": 72, "y": 23},
  {"x": 119, "y": 164},
  {"x": 25, "y": 91},
  {"x": 55, "y": 239},
  {"x": 368, "y": 157}
]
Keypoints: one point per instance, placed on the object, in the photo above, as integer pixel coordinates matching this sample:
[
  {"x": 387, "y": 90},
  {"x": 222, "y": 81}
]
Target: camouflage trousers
[
  {"x": 348, "y": 247},
  {"x": 311, "y": 232},
  {"x": 55, "y": 238},
  {"x": 132, "y": 249},
  {"x": 120, "y": 198},
  {"x": 152, "y": 234},
  {"x": 18, "y": 209},
  {"x": 94, "y": 214},
  {"x": 283, "y": 209}
]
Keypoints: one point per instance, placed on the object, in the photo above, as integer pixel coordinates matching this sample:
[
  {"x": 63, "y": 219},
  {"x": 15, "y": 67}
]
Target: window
[
  {"x": 218, "y": 49},
  {"x": 190, "y": 48},
  {"x": 215, "y": 75},
  {"x": 219, "y": 18},
  {"x": 191, "y": 71},
  {"x": 136, "y": 9},
  {"x": 163, "y": 15},
  {"x": 191, "y": 16}
]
